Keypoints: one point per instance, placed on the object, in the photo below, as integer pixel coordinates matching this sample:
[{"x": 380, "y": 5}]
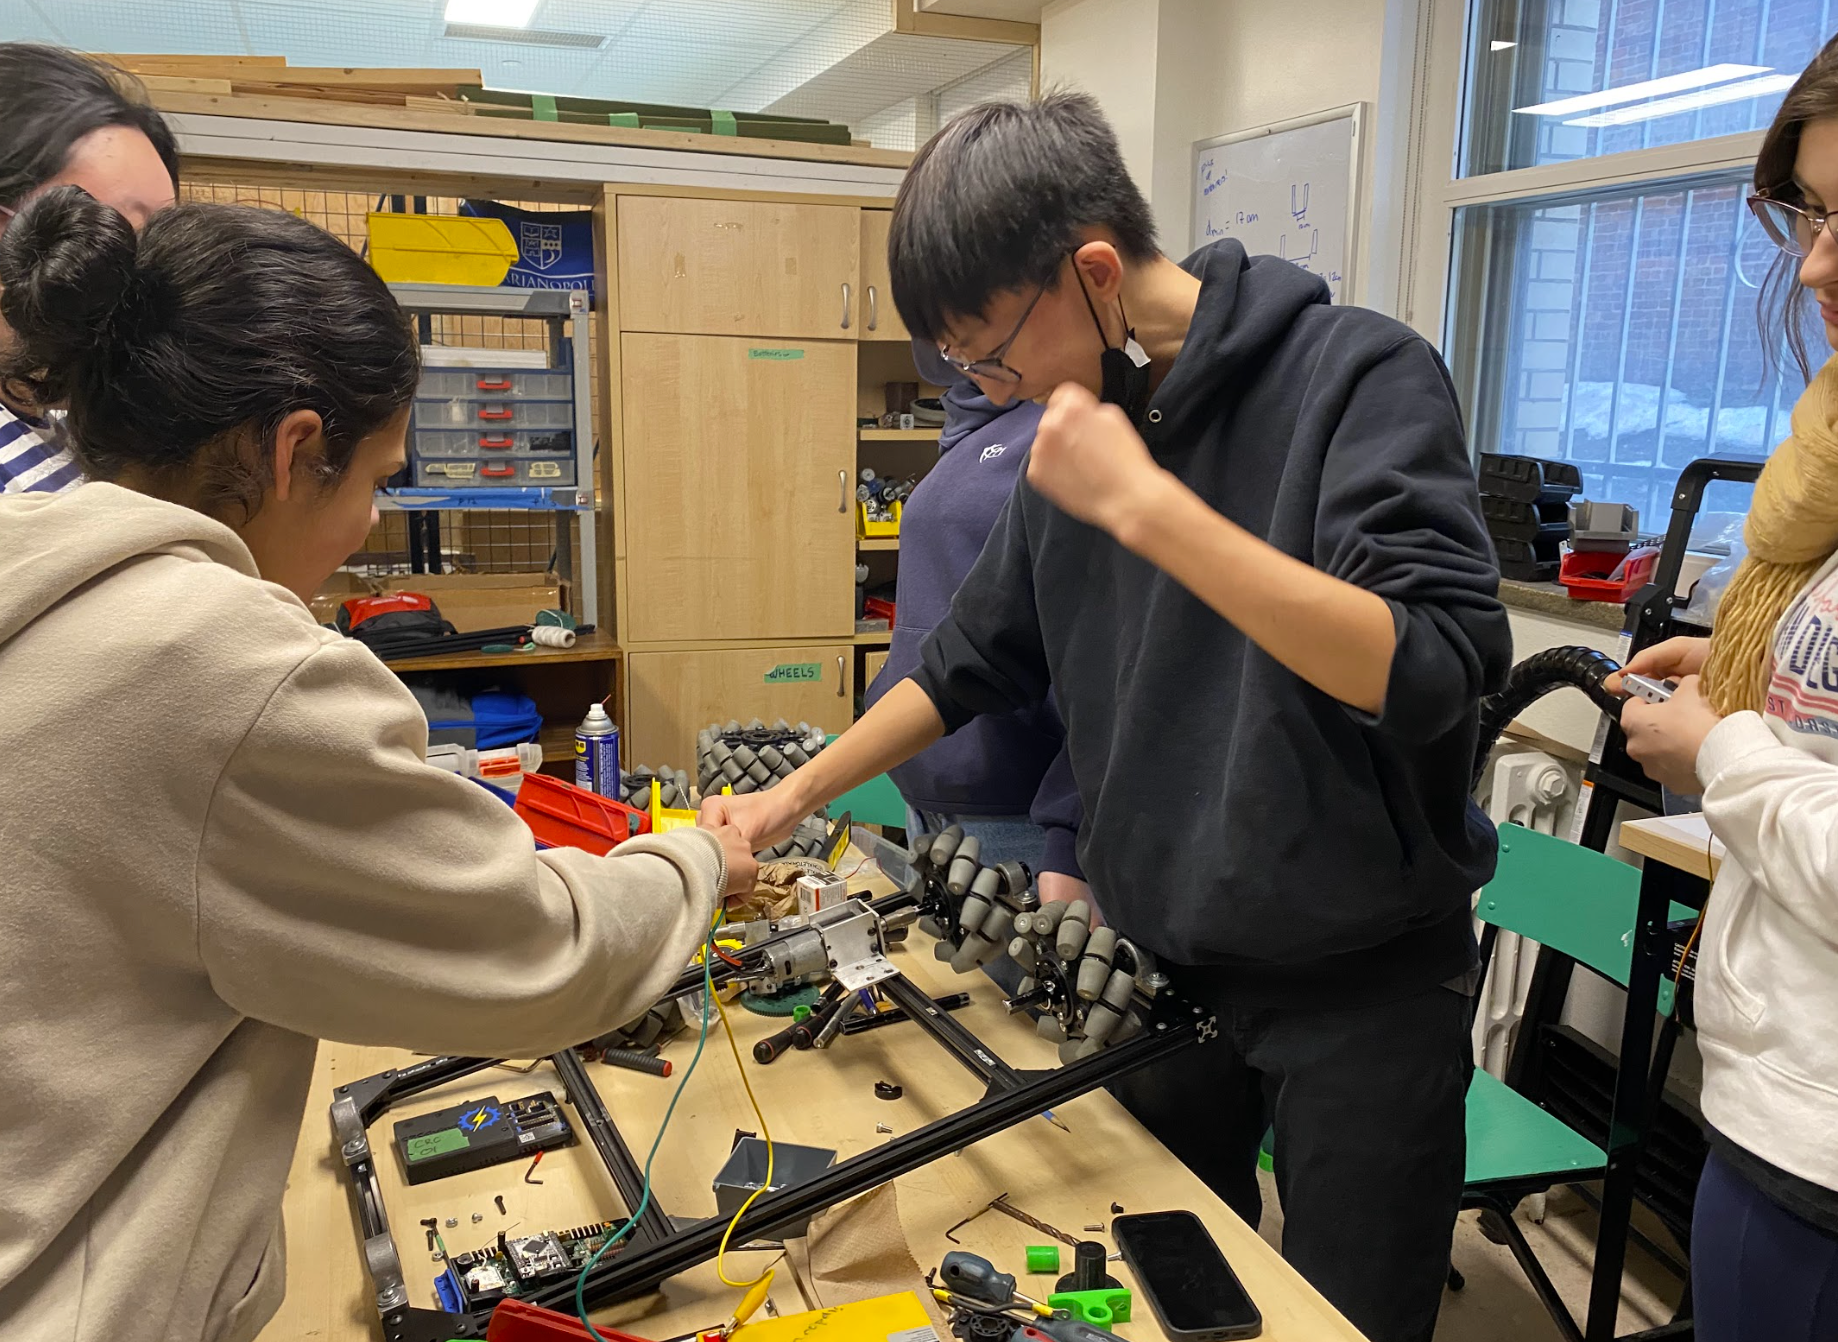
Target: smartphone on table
[{"x": 1192, "y": 1289}]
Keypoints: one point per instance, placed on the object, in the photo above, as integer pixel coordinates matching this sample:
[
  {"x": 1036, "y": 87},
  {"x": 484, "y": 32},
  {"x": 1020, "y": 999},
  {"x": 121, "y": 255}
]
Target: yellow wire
[{"x": 766, "y": 1133}]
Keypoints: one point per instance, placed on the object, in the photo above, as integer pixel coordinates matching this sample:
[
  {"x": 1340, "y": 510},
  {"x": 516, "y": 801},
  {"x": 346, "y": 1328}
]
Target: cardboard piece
[
  {"x": 858, "y": 1251},
  {"x": 334, "y": 592}
]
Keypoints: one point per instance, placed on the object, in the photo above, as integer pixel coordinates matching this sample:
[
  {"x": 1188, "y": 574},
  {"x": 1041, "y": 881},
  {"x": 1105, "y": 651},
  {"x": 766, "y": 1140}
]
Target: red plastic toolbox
[{"x": 562, "y": 815}]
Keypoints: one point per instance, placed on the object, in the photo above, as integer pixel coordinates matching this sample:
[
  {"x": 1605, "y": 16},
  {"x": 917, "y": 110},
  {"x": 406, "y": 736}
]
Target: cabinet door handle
[
  {"x": 840, "y": 683},
  {"x": 874, "y": 313},
  {"x": 842, "y": 481},
  {"x": 845, "y": 305}
]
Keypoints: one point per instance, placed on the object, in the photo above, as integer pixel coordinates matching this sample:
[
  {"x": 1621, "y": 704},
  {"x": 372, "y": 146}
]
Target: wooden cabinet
[
  {"x": 729, "y": 267},
  {"x": 880, "y": 319},
  {"x": 674, "y": 695},
  {"x": 739, "y": 490}
]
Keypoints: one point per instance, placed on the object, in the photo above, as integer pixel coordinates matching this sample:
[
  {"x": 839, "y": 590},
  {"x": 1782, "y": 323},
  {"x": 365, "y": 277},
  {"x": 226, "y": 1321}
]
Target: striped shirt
[{"x": 33, "y": 458}]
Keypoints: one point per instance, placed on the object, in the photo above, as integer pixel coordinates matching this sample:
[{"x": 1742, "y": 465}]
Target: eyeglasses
[
  {"x": 990, "y": 367},
  {"x": 1792, "y": 228}
]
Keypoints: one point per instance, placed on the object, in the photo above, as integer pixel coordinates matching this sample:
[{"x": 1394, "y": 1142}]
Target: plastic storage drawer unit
[
  {"x": 491, "y": 443},
  {"x": 493, "y": 472},
  {"x": 494, "y": 414},
  {"x": 496, "y": 384}
]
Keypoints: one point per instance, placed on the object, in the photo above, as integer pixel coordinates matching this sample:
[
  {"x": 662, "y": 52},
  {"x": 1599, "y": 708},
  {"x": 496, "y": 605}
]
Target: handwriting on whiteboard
[{"x": 1282, "y": 193}]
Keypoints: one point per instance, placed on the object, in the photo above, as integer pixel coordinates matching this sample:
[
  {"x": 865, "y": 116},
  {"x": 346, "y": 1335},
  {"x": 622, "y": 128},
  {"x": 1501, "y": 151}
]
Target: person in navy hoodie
[{"x": 1005, "y": 778}]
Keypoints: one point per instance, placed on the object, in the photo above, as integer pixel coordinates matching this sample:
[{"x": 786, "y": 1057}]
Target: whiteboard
[{"x": 1289, "y": 189}]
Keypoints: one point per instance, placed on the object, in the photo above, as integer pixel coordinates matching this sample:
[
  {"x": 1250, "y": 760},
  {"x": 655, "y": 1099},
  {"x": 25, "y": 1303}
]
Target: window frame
[{"x": 1445, "y": 30}]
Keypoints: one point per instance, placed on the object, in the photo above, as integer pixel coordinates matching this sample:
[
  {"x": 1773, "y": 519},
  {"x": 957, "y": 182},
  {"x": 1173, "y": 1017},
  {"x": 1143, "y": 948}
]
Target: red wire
[{"x": 730, "y": 959}]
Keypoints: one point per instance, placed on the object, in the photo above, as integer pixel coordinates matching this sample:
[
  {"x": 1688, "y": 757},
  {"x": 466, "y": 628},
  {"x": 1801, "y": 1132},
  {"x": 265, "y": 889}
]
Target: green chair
[
  {"x": 876, "y": 802},
  {"x": 1583, "y": 904}
]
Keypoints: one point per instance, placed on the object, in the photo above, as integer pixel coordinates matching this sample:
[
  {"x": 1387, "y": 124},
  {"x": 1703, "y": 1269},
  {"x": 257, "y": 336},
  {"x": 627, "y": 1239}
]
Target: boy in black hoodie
[{"x": 1247, "y": 556}]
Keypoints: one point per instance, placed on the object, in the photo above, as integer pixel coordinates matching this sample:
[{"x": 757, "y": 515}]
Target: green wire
[{"x": 644, "y": 1201}]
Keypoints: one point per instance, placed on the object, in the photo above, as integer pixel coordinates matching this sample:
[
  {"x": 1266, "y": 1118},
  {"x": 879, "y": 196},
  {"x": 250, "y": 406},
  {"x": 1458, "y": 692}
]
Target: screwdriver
[
  {"x": 975, "y": 1277},
  {"x": 769, "y": 1048}
]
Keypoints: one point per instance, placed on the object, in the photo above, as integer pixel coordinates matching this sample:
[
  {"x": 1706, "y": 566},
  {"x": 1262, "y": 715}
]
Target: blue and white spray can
[{"x": 596, "y": 753}]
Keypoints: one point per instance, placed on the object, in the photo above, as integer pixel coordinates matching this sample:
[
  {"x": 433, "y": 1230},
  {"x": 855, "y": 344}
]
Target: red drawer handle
[
  {"x": 495, "y": 412},
  {"x": 498, "y": 472},
  {"x": 485, "y": 441},
  {"x": 494, "y": 384}
]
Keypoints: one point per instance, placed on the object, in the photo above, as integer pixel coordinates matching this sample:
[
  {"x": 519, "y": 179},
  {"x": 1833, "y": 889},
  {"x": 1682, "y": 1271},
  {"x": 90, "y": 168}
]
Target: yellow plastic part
[
  {"x": 665, "y": 818},
  {"x": 440, "y": 249},
  {"x": 868, "y": 530}
]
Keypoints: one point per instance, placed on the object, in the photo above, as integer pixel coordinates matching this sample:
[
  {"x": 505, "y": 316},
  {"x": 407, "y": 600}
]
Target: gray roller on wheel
[
  {"x": 732, "y": 727},
  {"x": 931, "y": 927},
  {"x": 1074, "y": 927},
  {"x": 1107, "y": 1012},
  {"x": 1069, "y": 1050},
  {"x": 986, "y": 943},
  {"x": 745, "y": 785},
  {"x": 1047, "y": 916},
  {"x": 964, "y": 865},
  {"x": 758, "y": 772},
  {"x": 1021, "y": 951},
  {"x": 944, "y": 846},
  {"x": 1049, "y": 1029},
  {"x": 1094, "y": 969},
  {"x": 756, "y": 726},
  {"x": 796, "y": 755},
  {"x": 981, "y": 898},
  {"x": 744, "y": 757},
  {"x": 771, "y": 758},
  {"x": 720, "y": 751},
  {"x": 1026, "y": 986},
  {"x": 732, "y": 771}
]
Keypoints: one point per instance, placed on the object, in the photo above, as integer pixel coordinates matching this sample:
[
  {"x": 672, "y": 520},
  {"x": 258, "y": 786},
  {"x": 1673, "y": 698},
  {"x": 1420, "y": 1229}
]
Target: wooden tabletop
[
  {"x": 1682, "y": 841},
  {"x": 1068, "y": 1179}
]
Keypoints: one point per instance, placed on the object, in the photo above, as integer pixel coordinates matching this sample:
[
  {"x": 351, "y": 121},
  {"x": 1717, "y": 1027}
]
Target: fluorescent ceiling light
[
  {"x": 492, "y": 13},
  {"x": 1688, "y": 102},
  {"x": 1627, "y": 93},
  {"x": 1501, "y": 46}
]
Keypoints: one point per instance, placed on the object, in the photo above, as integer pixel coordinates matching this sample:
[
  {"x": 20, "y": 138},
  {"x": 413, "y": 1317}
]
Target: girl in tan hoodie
[{"x": 222, "y": 842}]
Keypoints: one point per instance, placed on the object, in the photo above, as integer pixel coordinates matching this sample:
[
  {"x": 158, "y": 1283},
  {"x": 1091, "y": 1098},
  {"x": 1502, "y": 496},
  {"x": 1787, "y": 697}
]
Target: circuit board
[
  {"x": 513, "y": 1266},
  {"x": 477, "y": 1134}
]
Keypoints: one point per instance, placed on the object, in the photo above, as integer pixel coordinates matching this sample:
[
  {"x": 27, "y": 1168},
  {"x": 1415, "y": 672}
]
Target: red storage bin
[
  {"x": 562, "y": 815},
  {"x": 1598, "y": 575}
]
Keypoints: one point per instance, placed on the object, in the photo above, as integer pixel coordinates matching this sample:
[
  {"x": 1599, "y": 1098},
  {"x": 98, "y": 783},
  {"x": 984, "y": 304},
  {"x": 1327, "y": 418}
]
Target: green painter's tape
[
  {"x": 779, "y": 355},
  {"x": 786, "y": 672},
  {"x": 723, "y": 123},
  {"x": 542, "y": 106},
  {"x": 435, "y": 1144}
]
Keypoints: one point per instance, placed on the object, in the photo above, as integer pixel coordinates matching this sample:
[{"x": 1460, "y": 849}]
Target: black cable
[{"x": 1579, "y": 668}]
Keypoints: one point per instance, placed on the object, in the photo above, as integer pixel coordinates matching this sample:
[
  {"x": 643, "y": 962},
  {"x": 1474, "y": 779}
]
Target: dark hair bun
[{"x": 66, "y": 267}]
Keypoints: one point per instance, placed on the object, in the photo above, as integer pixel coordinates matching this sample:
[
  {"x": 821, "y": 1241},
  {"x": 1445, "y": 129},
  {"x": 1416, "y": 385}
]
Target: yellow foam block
[
  {"x": 440, "y": 249},
  {"x": 887, "y": 1318}
]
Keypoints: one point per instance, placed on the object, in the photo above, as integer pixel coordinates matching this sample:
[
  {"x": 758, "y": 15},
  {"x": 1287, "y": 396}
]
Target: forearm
[
  {"x": 899, "y": 726},
  {"x": 1338, "y": 637}
]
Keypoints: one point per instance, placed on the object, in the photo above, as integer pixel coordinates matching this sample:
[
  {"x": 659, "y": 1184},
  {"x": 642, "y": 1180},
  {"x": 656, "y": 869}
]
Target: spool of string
[
  {"x": 552, "y": 636},
  {"x": 1791, "y": 531}
]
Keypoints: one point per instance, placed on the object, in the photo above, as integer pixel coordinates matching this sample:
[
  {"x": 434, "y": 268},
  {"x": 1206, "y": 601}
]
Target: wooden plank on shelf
[
  {"x": 446, "y": 106},
  {"x": 183, "y": 84},
  {"x": 381, "y": 76},
  {"x": 900, "y": 435},
  {"x": 878, "y": 638},
  {"x": 315, "y": 112},
  {"x": 155, "y": 63},
  {"x": 878, "y": 543}
]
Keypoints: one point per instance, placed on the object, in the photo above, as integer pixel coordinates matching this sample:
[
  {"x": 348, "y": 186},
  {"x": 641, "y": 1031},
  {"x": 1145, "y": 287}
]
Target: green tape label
[
  {"x": 781, "y": 355},
  {"x": 792, "y": 671},
  {"x": 435, "y": 1144}
]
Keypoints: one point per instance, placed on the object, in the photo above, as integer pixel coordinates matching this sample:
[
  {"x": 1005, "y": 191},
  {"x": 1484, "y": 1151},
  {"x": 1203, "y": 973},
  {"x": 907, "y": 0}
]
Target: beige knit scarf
[{"x": 1792, "y": 530}]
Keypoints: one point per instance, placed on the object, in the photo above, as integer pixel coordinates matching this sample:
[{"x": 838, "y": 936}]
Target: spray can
[{"x": 596, "y": 753}]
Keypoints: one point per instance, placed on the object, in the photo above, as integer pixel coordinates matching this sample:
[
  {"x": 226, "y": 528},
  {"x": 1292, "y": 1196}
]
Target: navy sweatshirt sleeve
[
  {"x": 986, "y": 655},
  {"x": 1399, "y": 515},
  {"x": 1059, "y": 812}
]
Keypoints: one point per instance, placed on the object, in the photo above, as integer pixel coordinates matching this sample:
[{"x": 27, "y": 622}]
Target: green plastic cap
[
  {"x": 1043, "y": 1258},
  {"x": 800, "y": 1013}
]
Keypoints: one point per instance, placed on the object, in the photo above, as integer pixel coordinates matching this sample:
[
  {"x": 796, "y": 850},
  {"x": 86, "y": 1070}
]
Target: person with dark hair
[
  {"x": 67, "y": 120},
  {"x": 1004, "y": 778},
  {"x": 232, "y": 844},
  {"x": 1247, "y": 557},
  {"x": 1753, "y": 728}
]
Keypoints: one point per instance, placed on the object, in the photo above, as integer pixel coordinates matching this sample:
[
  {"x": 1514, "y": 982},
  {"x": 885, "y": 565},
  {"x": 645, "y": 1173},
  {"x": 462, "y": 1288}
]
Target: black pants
[{"x": 1367, "y": 1104}]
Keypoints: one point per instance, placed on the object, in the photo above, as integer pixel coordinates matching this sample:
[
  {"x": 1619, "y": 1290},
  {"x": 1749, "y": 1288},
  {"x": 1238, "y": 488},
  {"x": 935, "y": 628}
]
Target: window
[{"x": 1595, "y": 290}]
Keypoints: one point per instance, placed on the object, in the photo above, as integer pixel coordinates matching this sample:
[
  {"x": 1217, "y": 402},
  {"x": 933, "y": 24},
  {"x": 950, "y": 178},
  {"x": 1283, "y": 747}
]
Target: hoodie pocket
[{"x": 1736, "y": 956}]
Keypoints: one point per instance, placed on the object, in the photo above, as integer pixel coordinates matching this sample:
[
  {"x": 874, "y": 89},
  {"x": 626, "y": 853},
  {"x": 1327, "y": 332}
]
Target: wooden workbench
[
  {"x": 1068, "y": 1179},
  {"x": 1680, "y": 841}
]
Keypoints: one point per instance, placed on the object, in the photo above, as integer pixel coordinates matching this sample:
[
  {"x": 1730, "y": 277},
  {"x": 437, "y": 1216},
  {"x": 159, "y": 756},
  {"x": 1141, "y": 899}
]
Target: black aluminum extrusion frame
[{"x": 657, "y": 1247}]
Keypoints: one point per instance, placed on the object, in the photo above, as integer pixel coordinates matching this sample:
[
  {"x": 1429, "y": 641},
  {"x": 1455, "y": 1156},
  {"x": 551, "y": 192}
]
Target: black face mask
[{"x": 1124, "y": 368}]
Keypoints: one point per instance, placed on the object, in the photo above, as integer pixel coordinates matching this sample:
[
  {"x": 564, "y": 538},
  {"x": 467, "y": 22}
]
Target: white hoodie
[
  {"x": 1767, "y": 979},
  {"x": 219, "y": 841}
]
